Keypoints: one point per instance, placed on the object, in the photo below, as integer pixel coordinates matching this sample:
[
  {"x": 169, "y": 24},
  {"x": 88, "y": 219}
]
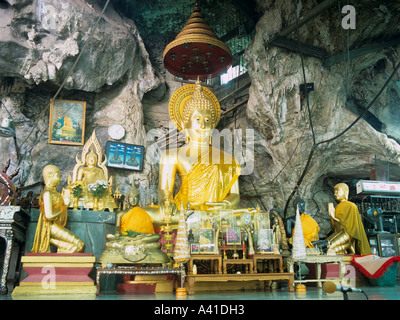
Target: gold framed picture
[{"x": 67, "y": 122}]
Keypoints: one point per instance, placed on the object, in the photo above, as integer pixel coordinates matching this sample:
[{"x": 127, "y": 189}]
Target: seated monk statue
[
  {"x": 209, "y": 176},
  {"x": 134, "y": 240},
  {"x": 349, "y": 234},
  {"x": 50, "y": 228},
  {"x": 134, "y": 218},
  {"x": 309, "y": 225}
]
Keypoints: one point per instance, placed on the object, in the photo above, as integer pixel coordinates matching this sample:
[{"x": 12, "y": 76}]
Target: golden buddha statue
[
  {"x": 89, "y": 169},
  {"x": 133, "y": 218},
  {"x": 90, "y": 173},
  {"x": 349, "y": 234},
  {"x": 209, "y": 176},
  {"x": 53, "y": 218}
]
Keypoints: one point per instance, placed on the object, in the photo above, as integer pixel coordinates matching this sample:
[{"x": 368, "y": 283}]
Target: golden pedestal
[
  {"x": 181, "y": 292},
  {"x": 54, "y": 274}
]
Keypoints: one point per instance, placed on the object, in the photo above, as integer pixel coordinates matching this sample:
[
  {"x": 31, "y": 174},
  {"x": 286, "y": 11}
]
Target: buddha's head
[
  {"x": 91, "y": 158},
  {"x": 51, "y": 175},
  {"x": 299, "y": 203},
  {"x": 132, "y": 197},
  {"x": 199, "y": 117},
  {"x": 341, "y": 192}
]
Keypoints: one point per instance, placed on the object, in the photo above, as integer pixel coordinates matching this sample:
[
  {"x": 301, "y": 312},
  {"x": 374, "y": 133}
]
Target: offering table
[{"x": 319, "y": 260}]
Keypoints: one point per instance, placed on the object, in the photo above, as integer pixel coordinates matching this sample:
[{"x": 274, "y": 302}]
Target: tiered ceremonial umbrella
[
  {"x": 196, "y": 51},
  {"x": 299, "y": 252}
]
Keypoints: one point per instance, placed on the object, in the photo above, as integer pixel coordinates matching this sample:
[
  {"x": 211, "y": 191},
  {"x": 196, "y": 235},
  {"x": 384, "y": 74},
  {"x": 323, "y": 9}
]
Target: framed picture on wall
[
  {"x": 67, "y": 122},
  {"x": 124, "y": 156}
]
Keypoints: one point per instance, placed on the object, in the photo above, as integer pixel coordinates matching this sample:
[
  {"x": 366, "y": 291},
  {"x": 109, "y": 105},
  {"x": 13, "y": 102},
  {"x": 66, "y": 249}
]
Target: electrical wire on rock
[{"x": 316, "y": 144}]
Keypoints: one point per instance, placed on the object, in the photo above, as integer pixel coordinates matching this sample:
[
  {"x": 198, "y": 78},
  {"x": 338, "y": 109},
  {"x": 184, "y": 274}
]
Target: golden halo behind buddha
[{"x": 196, "y": 96}]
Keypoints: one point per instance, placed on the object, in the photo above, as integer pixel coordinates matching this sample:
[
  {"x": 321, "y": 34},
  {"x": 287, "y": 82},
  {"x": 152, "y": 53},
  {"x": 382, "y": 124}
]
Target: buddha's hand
[
  {"x": 224, "y": 204},
  {"x": 172, "y": 208}
]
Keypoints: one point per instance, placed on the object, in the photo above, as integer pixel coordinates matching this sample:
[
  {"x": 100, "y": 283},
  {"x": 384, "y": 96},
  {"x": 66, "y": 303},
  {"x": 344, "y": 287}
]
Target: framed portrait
[
  {"x": 232, "y": 235},
  {"x": 194, "y": 248},
  {"x": 207, "y": 240},
  {"x": 124, "y": 156},
  {"x": 264, "y": 241},
  {"x": 67, "y": 122}
]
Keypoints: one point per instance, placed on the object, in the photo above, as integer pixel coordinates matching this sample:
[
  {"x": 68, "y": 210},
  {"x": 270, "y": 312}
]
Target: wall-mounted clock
[{"x": 116, "y": 131}]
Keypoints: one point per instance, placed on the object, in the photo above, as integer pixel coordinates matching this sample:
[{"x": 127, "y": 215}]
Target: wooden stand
[
  {"x": 13, "y": 223},
  {"x": 247, "y": 262},
  {"x": 318, "y": 260},
  {"x": 192, "y": 279},
  {"x": 215, "y": 260},
  {"x": 124, "y": 270},
  {"x": 274, "y": 259}
]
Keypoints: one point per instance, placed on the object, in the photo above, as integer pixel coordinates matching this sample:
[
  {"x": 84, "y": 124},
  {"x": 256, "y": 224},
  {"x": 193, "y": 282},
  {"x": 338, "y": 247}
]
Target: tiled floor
[{"x": 312, "y": 293}]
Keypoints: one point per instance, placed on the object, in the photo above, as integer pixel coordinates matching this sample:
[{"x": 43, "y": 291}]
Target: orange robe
[
  {"x": 137, "y": 220},
  {"x": 310, "y": 230}
]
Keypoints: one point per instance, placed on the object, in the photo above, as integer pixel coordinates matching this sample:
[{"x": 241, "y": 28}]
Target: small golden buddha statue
[
  {"x": 90, "y": 173},
  {"x": 89, "y": 169},
  {"x": 349, "y": 235},
  {"x": 276, "y": 231},
  {"x": 209, "y": 176},
  {"x": 51, "y": 229}
]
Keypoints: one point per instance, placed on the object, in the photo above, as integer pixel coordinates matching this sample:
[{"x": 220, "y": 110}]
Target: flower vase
[
  {"x": 95, "y": 203},
  {"x": 75, "y": 204}
]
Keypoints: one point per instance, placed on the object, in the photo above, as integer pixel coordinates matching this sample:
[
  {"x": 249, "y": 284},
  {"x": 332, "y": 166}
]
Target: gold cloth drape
[
  {"x": 209, "y": 180},
  {"x": 349, "y": 217},
  {"x": 41, "y": 243}
]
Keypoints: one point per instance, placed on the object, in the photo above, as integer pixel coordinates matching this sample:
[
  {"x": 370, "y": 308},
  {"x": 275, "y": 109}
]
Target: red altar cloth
[{"x": 373, "y": 266}]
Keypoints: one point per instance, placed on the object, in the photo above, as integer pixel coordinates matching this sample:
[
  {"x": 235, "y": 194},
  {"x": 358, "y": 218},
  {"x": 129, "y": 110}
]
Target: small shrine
[{"x": 90, "y": 187}]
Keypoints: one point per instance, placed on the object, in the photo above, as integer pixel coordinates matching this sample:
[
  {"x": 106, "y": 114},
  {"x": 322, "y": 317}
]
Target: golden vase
[
  {"x": 95, "y": 203},
  {"x": 76, "y": 202}
]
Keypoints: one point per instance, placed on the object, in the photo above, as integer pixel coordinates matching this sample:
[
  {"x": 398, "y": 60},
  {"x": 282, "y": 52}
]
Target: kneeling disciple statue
[{"x": 53, "y": 218}]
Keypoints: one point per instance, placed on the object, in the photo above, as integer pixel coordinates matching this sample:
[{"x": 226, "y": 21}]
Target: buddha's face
[
  {"x": 91, "y": 159},
  {"x": 54, "y": 178},
  {"x": 133, "y": 199},
  {"x": 340, "y": 193},
  {"x": 199, "y": 127}
]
